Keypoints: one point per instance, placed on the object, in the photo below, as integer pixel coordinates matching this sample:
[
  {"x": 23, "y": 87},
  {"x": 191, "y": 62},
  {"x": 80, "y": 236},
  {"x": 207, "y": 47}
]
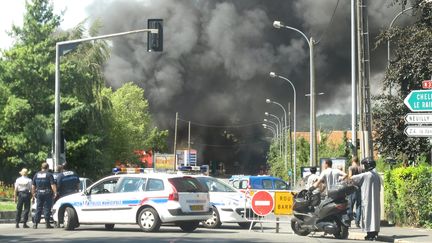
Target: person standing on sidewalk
[
  {"x": 329, "y": 176},
  {"x": 370, "y": 185},
  {"x": 44, "y": 189},
  {"x": 67, "y": 182},
  {"x": 22, "y": 191},
  {"x": 355, "y": 198}
]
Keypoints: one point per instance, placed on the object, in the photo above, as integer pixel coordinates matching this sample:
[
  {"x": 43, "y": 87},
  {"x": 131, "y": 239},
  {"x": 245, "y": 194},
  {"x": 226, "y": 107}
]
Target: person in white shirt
[
  {"x": 312, "y": 178},
  {"x": 329, "y": 176},
  {"x": 22, "y": 191}
]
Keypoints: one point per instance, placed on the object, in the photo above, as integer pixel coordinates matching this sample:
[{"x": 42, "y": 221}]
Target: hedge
[{"x": 408, "y": 196}]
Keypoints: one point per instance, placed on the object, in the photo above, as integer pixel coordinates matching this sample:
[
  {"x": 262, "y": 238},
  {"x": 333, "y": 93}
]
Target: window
[
  {"x": 187, "y": 184},
  {"x": 215, "y": 185},
  {"x": 280, "y": 185},
  {"x": 267, "y": 184},
  {"x": 243, "y": 184},
  {"x": 131, "y": 184},
  {"x": 155, "y": 185},
  {"x": 106, "y": 186}
]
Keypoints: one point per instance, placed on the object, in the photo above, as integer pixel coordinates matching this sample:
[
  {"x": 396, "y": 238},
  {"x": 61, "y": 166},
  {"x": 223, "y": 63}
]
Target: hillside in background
[{"x": 329, "y": 122}]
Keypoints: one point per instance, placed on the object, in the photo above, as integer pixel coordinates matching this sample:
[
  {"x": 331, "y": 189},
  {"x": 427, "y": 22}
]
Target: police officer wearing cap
[
  {"x": 23, "y": 186},
  {"x": 44, "y": 189},
  {"x": 67, "y": 182}
]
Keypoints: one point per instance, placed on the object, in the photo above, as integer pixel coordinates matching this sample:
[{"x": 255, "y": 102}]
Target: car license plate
[{"x": 196, "y": 207}]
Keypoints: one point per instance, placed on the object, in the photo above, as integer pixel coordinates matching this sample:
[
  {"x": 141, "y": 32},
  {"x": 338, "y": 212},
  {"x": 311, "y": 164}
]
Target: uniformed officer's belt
[{"x": 44, "y": 190}]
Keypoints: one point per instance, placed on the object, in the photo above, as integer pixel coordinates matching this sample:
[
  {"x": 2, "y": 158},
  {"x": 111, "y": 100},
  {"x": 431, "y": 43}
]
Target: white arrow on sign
[
  {"x": 418, "y": 118},
  {"x": 418, "y": 131}
]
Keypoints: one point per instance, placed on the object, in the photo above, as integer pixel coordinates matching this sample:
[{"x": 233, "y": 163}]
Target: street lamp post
[
  {"x": 280, "y": 125},
  {"x": 278, "y": 132},
  {"x": 269, "y": 128},
  {"x": 266, "y": 126},
  {"x": 313, "y": 148},
  {"x": 61, "y": 48},
  {"x": 273, "y": 75},
  {"x": 268, "y": 101}
]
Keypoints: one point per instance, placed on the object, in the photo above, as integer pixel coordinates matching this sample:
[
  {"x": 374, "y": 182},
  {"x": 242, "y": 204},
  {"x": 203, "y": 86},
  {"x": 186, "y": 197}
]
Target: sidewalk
[{"x": 396, "y": 234}]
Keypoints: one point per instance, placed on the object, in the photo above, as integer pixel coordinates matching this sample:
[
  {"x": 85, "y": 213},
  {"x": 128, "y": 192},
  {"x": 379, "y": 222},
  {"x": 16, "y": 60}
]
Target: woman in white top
[{"x": 22, "y": 190}]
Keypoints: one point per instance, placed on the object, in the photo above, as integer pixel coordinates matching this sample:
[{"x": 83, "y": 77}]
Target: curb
[
  {"x": 382, "y": 238},
  {"x": 7, "y": 217}
]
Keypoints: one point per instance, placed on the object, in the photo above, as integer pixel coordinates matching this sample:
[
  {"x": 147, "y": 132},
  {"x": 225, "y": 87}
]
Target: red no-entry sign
[{"x": 262, "y": 203}]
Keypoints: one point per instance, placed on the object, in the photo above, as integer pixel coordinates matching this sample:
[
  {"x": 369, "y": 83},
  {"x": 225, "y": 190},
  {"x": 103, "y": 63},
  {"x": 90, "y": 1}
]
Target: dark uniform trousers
[
  {"x": 44, "y": 202},
  {"x": 23, "y": 200}
]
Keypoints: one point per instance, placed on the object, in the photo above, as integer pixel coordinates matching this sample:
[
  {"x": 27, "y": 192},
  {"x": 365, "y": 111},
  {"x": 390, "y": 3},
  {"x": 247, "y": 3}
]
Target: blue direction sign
[{"x": 419, "y": 100}]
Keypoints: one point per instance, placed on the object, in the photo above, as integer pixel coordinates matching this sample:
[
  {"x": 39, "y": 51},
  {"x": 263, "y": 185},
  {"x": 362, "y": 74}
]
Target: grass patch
[{"x": 7, "y": 206}]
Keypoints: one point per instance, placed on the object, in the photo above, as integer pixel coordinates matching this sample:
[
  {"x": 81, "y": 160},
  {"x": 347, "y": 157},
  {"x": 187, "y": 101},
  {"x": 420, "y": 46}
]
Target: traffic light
[{"x": 155, "y": 41}]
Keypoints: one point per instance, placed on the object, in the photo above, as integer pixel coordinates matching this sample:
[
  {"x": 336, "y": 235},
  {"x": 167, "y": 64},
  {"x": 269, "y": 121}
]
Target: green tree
[
  {"x": 412, "y": 50},
  {"x": 27, "y": 75},
  {"x": 130, "y": 124}
]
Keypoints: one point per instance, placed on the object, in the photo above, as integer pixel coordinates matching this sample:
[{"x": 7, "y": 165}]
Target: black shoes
[
  {"x": 25, "y": 226},
  {"x": 372, "y": 236},
  {"x": 34, "y": 226},
  {"x": 17, "y": 226},
  {"x": 48, "y": 226}
]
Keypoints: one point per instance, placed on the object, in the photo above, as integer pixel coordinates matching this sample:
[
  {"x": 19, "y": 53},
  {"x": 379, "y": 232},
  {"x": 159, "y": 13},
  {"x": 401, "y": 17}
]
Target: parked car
[
  {"x": 148, "y": 200},
  {"x": 229, "y": 204},
  {"x": 243, "y": 182}
]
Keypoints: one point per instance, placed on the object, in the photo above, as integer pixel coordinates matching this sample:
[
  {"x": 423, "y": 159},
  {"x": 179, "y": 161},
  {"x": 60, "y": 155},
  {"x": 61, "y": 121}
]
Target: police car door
[
  {"x": 100, "y": 202},
  {"x": 130, "y": 190}
]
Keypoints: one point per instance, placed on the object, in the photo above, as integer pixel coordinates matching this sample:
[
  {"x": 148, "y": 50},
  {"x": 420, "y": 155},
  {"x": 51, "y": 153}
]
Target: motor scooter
[{"x": 311, "y": 214}]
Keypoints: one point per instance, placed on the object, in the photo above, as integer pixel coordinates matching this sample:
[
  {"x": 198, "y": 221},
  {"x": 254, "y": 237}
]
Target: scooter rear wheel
[{"x": 296, "y": 227}]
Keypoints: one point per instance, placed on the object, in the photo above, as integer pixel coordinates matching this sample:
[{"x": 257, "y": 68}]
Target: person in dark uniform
[
  {"x": 44, "y": 190},
  {"x": 23, "y": 186},
  {"x": 67, "y": 182}
]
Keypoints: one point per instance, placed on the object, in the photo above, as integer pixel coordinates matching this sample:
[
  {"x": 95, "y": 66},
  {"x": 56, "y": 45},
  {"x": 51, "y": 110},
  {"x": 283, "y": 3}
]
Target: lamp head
[
  {"x": 268, "y": 101},
  {"x": 265, "y": 120},
  {"x": 273, "y": 75},
  {"x": 264, "y": 125},
  {"x": 266, "y": 113},
  {"x": 277, "y": 24}
]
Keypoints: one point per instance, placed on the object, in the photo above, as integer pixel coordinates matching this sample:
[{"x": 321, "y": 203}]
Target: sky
[
  {"x": 12, "y": 12},
  {"x": 217, "y": 57}
]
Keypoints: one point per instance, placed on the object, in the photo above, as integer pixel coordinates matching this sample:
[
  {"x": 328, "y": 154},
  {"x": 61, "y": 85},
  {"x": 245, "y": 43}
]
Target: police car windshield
[{"x": 187, "y": 184}]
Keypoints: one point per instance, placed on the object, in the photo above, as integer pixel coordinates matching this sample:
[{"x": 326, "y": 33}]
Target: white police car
[
  {"x": 229, "y": 204},
  {"x": 148, "y": 200}
]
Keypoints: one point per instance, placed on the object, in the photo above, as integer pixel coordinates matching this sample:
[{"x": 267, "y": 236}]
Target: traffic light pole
[{"x": 61, "y": 47}]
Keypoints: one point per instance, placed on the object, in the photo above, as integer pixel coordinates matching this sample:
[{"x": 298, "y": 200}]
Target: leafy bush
[
  {"x": 6, "y": 191},
  {"x": 408, "y": 195}
]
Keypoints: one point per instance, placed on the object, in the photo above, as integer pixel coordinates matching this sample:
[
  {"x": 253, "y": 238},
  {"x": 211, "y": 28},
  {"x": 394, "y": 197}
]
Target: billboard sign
[{"x": 164, "y": 161}]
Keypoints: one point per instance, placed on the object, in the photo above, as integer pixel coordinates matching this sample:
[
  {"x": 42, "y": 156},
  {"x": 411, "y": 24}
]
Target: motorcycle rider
[{"x": 370, "y": 186}]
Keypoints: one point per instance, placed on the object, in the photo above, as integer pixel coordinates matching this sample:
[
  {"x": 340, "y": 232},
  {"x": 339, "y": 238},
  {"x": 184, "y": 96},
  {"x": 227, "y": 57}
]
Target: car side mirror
[{"x": 86, "y": 192}]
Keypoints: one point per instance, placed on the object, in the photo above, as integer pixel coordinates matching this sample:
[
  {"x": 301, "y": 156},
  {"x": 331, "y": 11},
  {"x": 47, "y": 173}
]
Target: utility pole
[
  {"x": 313, "y": 137},
  {"x": 289, "y": 134},
  {"x": 360, "y": 74},
  {"x": 189, "y": 143},
  {"x": 353, "y": 81},
  {"x": 364, "y": 83},
  {"x": 175, "y": 141}
]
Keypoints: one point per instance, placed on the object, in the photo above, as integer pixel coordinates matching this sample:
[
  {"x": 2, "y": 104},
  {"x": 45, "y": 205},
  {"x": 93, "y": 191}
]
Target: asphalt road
[{"x": 132, "y": 233}]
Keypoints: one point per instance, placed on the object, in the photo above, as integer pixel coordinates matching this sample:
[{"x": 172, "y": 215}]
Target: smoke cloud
[{"x": 218, "y": 54}]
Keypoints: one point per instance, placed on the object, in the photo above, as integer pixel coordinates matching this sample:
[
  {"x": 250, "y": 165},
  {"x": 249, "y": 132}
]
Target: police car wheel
[
  {"x": 149, "y": 220},
  {"x": 188, "y": 226},
  {"x": 109, "y": 226},
  {"x": 214, "y": 221},
  {"x": 70, "y": 220}
]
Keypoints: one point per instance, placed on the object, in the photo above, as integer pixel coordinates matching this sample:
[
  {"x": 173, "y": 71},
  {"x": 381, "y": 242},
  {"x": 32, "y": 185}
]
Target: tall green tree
[
  {"x": 412, "y": 63},
  {"x": 130, "y": 124}
]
